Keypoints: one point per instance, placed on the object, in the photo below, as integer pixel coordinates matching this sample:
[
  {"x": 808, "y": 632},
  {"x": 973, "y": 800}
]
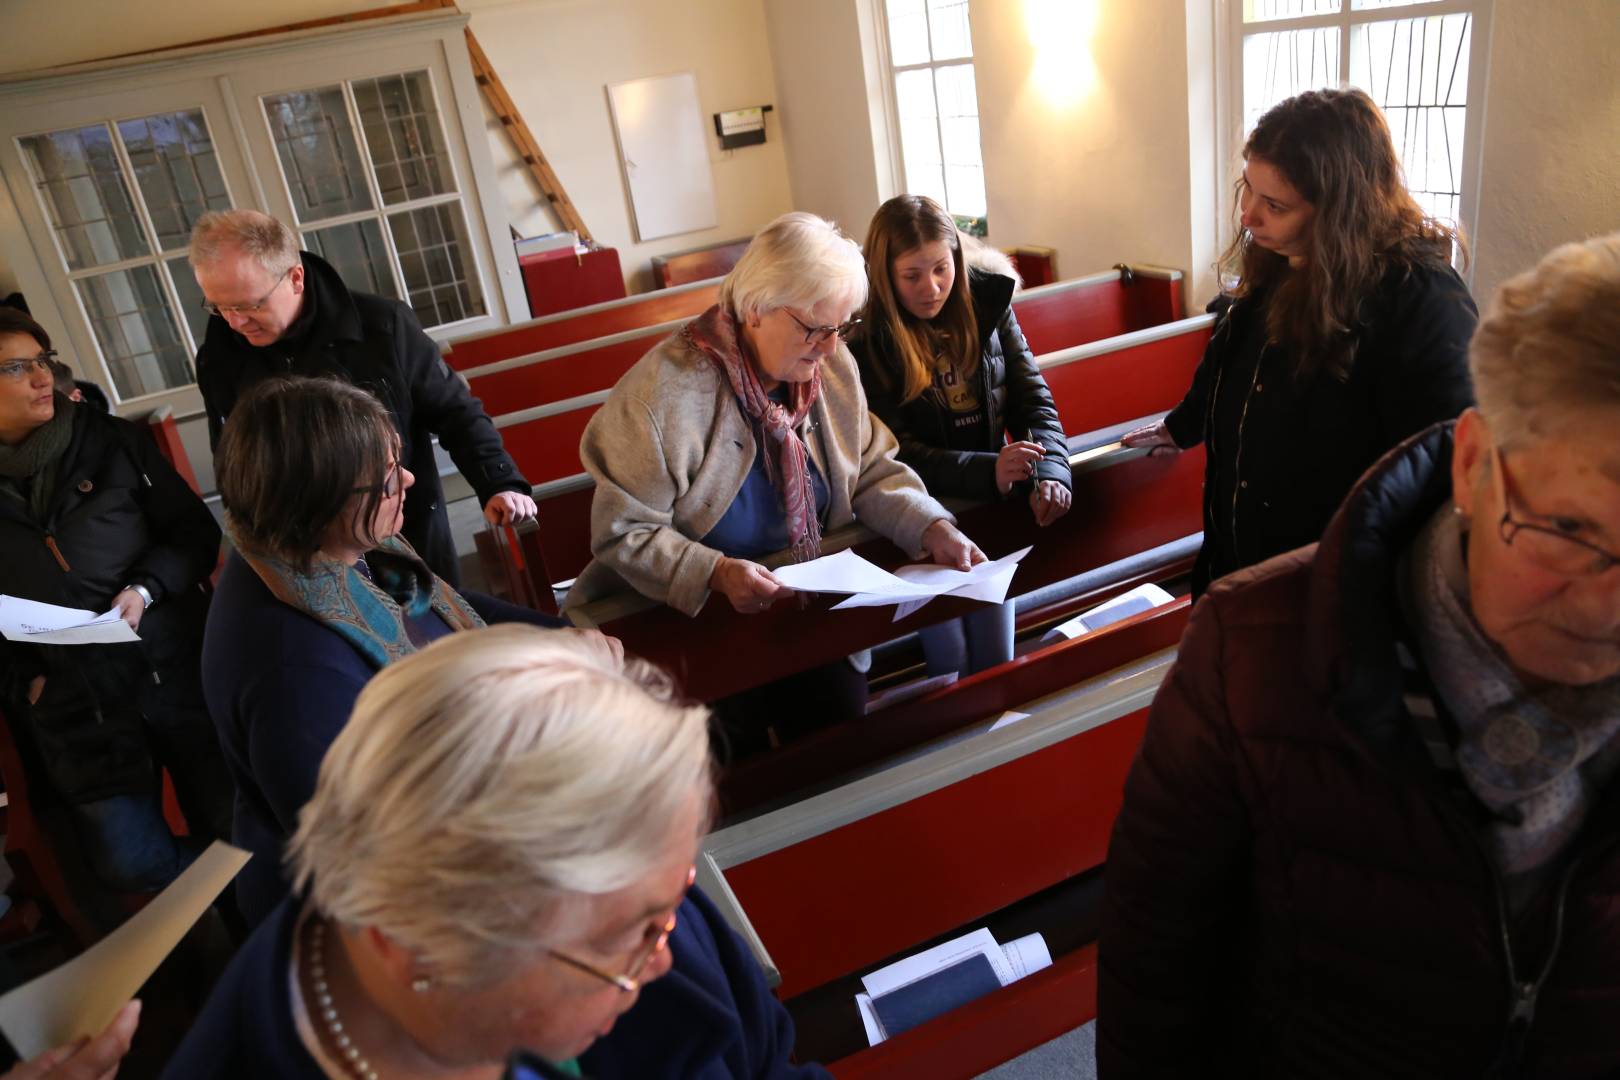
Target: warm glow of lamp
[{"x": 1061, "y": 32}]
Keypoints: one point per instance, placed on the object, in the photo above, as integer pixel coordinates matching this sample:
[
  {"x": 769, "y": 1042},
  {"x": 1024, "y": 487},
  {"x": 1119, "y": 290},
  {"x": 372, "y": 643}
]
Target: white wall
[
  {"x": 556, "y": 58},
  {"x": 1551, "y": 171}
]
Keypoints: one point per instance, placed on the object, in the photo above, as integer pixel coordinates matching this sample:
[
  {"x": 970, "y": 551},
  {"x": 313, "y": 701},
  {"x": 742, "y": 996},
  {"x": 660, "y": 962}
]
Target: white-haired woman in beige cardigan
[{"x": 746, "y": 432}]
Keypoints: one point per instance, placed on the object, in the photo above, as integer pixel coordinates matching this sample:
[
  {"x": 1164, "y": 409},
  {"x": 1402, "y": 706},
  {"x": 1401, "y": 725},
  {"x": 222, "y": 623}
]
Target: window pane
[
  {"x": 191, "y": 298},
  {"x": 320, "y": 156},
  {"x": 1278, "y": 65},
  {"x": 404, "y": 136},
  {"x": 1369, "y": 5},
  {"x": 359, "y": 255},
  {"x": 138, "y": 335},
  {"x": 948, "y": 29},
  {"x": 908, "y": 33},
  {"x": 85, "y": 196},
  {"x": 1266, "y": 10},
  {"x": 437, "y": 263},
  {"x": 919, "y": 134},
  {"x": 176, "y": 171},
  {"x": 1417, "y": 71},
  {"x": 959, "y": 135}
]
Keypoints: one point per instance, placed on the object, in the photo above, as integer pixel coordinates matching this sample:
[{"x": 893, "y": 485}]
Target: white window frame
[
  {"x": 891, "y": 104},
  {"x": 225, "y": 82},
  {"x": 1231, "y": 30}
]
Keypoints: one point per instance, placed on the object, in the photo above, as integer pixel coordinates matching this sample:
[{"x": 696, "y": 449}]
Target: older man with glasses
[{"x": 280, "y": 311}]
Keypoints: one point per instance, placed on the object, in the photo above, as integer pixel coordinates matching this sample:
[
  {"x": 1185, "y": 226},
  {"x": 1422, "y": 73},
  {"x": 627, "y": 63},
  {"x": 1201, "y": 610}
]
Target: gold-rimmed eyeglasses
[
  {"x": 1551, "y": 548},
  {"x": 655, "y": 942},
  {"x": 223, "y": 310},
  {"x": 817, "y": 335}
]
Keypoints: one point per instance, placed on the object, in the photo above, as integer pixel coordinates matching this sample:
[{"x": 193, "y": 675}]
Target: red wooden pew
[
  {"x": 685, "y": 267},
  {"x": 564, "y": 372},
  {"x": 582, "y": 324}
]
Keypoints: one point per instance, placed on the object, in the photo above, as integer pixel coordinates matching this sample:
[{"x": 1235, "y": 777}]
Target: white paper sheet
[
  {"x": 1008, "y": 717},
  {"x": 912, "y": 968},
  {"x": 1027, "y": 955},
  {"x": 1142, "y": 598},
  {"x": 869, "y": 1020},
  {"x": 921, "y": 582},
  {"x": 840, "y": 572},
  {"x": 50, "y": 624},
  {"x": 81, "y": 996}
]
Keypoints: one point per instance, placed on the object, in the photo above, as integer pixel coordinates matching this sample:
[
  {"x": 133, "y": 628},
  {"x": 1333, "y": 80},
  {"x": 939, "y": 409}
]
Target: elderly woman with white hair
[
  {"x": 495, "y": 880},
  {"x": 1371, "y": 828},
  {"x": 746, "y": 433}
]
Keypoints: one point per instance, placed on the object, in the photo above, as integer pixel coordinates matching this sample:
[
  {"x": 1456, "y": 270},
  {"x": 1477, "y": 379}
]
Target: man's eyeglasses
[
  {"x": 246, "y": 309},
  {"x": 20, "y": 369},
  {"x": 388, "y": 488},
  {"x": 817, "y": 335},
  {"x": 1549, "y": 548},
  {"x": 655, "y": 942}
]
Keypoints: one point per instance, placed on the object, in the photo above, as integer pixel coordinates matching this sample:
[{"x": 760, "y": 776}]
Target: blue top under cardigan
[
  {"x": 280, "y": 685},
  {"x": 710, "y": 1018}
]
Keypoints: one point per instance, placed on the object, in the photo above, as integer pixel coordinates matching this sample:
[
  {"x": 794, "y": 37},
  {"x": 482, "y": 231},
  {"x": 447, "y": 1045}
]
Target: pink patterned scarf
[{"x": 714, "y": 334}]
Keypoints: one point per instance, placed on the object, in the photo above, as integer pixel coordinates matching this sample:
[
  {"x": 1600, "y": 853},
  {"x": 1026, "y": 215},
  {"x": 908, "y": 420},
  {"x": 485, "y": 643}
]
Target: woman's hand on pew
[
  {"x": 1050, "y": 501},
  {"x": 749, "y": 586},
  {"x": 509, "y": 508},
  {"x": 86, "y": 1059},
  {"x": 945, "y": 545},
  {"x": 1154, "y": 436},
  {"x": 1015, "y": 463}
]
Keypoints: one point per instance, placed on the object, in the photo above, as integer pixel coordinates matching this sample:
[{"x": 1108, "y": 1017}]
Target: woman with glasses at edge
[
  {"x": 946, "y": 367},
  {"x": 494, "y": 879},
  {"x": 1371, "y": 828},
  {"x": 745, "y": 433},
  {"x": 1346, "y": 331},
  {"x": 320, "y": 592},
  {"x": 93, "y": 517}
]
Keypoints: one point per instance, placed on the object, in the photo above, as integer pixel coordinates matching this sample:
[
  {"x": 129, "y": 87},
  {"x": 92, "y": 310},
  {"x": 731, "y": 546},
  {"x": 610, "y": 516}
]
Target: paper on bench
[
  {"x": 912, "y": 968},
  {"x": 1141, "y": 598},
  {"x": 1027, "y": 955},
  {"x": 869, "y": 1020},
  {"x": 82, "y": 996},
  {"x": 51, "y": 624}
]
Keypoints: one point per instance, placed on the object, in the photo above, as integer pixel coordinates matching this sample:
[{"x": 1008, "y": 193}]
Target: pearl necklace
[{"x": 352, "y": 1057}]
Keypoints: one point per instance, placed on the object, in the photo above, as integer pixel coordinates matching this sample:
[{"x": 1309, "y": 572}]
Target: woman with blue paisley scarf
[{"x": 320, "y": 593}]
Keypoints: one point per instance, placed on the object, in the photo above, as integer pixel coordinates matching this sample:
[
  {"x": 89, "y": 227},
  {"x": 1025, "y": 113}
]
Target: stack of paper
[
  {"x": 909, "y": 587},
  {"x": 48, "y": 624},
  {"x": 1142, "y": 598},
  {"x": 917, "y": 989}
]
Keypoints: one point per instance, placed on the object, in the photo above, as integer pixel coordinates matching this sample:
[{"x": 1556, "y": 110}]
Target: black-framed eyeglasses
[
  {"x": 391, "y": 484},
  {"x": 655, "y": 942},
  {"x": 246, "y": 309},
  {"x": 817, "y": 335},
  {"x": 22, "y": 368},
  {"x": 1549, "y": 548}
]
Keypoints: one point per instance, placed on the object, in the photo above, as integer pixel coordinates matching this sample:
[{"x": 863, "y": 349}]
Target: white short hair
[
  {"x": 1548, "y": 346},
  {"x": 246, "y": 232},
  {"x": 486, "y": 785},
  {"x": 799, "y": 260}
]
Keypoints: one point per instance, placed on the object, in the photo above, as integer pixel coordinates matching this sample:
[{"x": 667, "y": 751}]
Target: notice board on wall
[{"x": 665, "y": 154}]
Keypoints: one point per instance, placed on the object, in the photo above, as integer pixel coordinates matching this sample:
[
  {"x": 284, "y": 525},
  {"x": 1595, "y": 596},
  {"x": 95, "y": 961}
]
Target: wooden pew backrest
[{"x": 684, "y": 267}]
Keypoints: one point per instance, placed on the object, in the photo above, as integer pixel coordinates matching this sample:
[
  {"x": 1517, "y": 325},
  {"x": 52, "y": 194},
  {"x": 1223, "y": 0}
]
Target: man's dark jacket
[
  {"x": 376, "y": 344},
  {"x": 1281, "y": 454},
  {"x": 1293, "y": 889},
  {"x": 120, "y": 516},
  {"x": 1014, "y": 395}
]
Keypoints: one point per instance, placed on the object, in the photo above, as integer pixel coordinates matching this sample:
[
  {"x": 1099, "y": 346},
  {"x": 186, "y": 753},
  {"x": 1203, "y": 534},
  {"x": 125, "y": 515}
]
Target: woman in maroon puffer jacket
[{"x": 1374, "y": 826}]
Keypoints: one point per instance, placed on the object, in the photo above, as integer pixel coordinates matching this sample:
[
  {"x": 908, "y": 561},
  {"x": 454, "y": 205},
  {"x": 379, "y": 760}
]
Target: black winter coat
[
  {"x": 1279, "y": 455},
  {"x": 121, "y": 516},
  {"x": 1295, "y": 890},
  {"x": 1015, "y": 395},
  {"x": 376, "y": 344}
]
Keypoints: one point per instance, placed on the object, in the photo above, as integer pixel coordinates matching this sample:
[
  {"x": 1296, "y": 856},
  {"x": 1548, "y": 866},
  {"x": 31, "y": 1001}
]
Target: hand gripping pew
[
  {"x": 582, "y": 324},
  {"x": 1054, "y": 317},
  {"x": 1095, "y": 386},
  {"x": 1001, "y": 828}
]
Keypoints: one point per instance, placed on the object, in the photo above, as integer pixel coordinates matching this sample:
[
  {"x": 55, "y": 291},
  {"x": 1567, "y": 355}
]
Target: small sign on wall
[
  {"x": 741, "y": 127},
  {"x": 659, "y": 127}
]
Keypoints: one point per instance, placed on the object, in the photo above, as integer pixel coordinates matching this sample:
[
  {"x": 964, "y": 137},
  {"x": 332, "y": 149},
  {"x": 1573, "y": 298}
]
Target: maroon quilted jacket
[{"x": 1294, "y": 890}]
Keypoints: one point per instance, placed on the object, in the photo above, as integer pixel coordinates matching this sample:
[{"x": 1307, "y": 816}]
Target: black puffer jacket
[
  {"x": 1015, "y": 394},
  {"x": 1280, "y": 456},
  {"x": 377, "y": 344},
  {"x": 121, "y": 516},
  {"x": 1295, "y": 890}
]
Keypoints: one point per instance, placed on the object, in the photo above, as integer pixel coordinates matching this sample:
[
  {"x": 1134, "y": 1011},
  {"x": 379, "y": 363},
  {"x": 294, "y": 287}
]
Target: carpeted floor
[{"x": 1067, "y": 1057}]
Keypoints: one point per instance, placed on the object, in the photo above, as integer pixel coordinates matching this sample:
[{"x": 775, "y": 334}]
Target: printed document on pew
[{"x": 50, "y": 624}]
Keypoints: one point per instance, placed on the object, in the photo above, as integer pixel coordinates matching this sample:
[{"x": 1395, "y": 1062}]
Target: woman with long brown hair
[
  {"x": 946, "y": 367},
  {"x": 1347, "y": 331}
]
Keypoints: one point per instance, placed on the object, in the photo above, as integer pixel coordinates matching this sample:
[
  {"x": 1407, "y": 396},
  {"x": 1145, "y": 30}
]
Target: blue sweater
[
  {"x": 710, "y": 1018},
  {"x": 280, "y": 686}
]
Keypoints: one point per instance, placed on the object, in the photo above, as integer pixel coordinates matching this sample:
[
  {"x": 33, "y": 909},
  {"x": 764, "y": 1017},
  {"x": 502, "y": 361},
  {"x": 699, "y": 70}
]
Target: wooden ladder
[{"x": 523, "y": 140}]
